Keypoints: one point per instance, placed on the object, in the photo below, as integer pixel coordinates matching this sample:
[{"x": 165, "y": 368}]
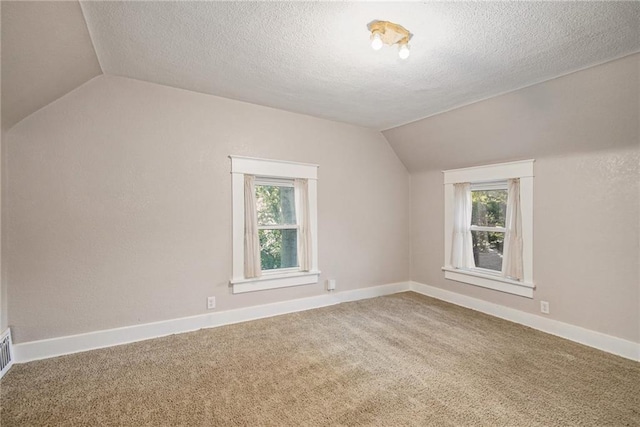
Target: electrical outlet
[
  {"x": 331, "y": 284},
  {"x": 211, "y": 303},
  {"x": 544, "y": 307}
]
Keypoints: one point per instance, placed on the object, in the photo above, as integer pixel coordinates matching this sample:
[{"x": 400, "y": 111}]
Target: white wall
[
  {"x": 119, "y": 212},
  {"x": 583, "y": 130}
]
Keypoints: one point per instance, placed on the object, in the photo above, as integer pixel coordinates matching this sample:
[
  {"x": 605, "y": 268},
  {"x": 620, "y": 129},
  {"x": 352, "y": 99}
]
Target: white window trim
[
  {"x": 270, "y": 169},
  {"x": 480, "y": 177}
]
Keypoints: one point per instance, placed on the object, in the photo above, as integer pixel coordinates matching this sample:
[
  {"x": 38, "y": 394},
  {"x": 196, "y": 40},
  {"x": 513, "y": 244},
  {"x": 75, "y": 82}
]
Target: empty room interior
[{"x": 320, "y": 213}]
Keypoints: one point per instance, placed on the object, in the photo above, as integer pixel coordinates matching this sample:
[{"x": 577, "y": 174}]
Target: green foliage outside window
[
  {"x": 276, "y": 206},
  {"x": 488, "y": 210}
]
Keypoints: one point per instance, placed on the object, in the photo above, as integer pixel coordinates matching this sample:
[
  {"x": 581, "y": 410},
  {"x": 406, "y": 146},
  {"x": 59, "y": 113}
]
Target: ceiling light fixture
[
  {"x": 376, "y": 41},
  {"x": 385, "y": 32},
  {"x": 403, "y": 51}
]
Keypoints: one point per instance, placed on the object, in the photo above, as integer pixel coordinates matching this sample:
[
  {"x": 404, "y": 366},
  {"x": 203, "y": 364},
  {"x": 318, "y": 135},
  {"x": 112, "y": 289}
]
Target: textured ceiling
[
  {"x": 315, "y": 58},
  {"x": 46, "y": 52}
]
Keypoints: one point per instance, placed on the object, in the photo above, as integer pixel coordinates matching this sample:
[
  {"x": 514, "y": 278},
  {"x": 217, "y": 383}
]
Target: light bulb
[
  {"x": 376, "y": 42},
  {"x": 403, "y": 53}
]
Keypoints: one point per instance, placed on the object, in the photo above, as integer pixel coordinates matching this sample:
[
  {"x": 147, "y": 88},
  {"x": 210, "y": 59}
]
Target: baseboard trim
[
  {"x": 604, "y": 342},
  {"x": 53, "y": 347}
]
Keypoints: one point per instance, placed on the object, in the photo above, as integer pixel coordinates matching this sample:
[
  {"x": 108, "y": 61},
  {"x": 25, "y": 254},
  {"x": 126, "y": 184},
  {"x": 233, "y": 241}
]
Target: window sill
[
  {"x": 275, "y": 280},
  {"x": 489, "y": 281}
]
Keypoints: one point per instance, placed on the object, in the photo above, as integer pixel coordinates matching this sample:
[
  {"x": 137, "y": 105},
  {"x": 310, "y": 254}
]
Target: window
[
  {"x": 274, "y": 224},
  {"x": 488, "y": 215},
  {"x": 488, "y": 236},
  {"x": 277, "y": 228}
]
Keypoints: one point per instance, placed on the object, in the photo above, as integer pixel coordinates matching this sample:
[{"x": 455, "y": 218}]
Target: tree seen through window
[
  {"x": 488, "y": 215},
  {"x": 277, "y": 227}
]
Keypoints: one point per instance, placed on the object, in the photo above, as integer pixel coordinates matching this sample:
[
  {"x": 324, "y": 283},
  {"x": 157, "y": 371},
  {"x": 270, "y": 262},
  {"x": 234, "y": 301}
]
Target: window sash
[
  {"x": 273, "y": 182},
  {"x": 501, "y": 185},
  {"x": 488, "y": 186},
  {"x": 281, "y": 269},
  {"x": 488, "y": 229},
  {"x": 278, "y": 227}
]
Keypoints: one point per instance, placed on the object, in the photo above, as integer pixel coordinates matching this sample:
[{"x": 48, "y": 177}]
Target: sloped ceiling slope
[
  {"x": 591, "y": 110},
  {"x": 315, "y": 57},
  {"x": 46, "y": 52}
]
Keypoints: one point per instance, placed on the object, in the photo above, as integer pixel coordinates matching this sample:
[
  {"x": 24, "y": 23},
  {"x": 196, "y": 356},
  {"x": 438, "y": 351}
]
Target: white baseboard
[
  {"x": 43, "y": 349},
  {"x": 608, "y": 343}
]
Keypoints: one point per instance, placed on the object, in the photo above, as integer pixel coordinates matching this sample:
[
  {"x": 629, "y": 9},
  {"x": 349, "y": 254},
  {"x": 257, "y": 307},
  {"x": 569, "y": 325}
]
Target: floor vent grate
[{"x": 6, "y": 356}]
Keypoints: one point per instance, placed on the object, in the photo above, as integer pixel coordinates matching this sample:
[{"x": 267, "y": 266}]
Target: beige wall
[
  {"x": 4, "y": 320},
  {"x": 4, "y": 312},
  {"x": 47, "y": 52},
  {"x": 119, "y": 205},
  {"x": 585, "y": 241},
  {"x": 582, "y": 129},
  {"x": 117, "y": 208}
]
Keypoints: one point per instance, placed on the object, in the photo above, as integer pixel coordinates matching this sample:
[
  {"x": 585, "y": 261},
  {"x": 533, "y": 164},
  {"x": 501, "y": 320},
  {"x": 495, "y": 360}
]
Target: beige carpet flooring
[{"x": 397, "y": 360}]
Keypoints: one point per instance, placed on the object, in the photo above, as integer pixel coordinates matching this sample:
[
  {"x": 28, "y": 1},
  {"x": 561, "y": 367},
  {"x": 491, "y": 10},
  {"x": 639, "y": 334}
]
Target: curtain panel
[
  {"x": 301, "y": 187},
  {"x": 252, "y": 267},
  {"x": 462, "y": 242},
  {"x": 512, "y": 264}
]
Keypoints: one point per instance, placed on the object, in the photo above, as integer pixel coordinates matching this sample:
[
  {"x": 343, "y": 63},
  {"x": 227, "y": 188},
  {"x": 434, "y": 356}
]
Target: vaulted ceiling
[
  {"x": 309, "y": 57},
  {"x": 46, "y": 52}
]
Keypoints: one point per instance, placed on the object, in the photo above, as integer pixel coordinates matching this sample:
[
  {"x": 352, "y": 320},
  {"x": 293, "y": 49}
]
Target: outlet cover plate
[{"x": 544, "y": 307}]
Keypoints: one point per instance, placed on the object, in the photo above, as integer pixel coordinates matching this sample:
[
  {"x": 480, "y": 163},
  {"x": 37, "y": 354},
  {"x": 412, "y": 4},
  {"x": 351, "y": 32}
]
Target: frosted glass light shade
[
  {"x": 404, "y": 52},
  {"x": 376, "y": 42}
]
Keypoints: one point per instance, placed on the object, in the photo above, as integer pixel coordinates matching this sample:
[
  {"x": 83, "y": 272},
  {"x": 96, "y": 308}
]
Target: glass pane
[
  {"x": 276, "y": 205},
  {"x": 487, "y": 249},
  {"x": 489, "y": 208},
  {"x": 278, "y": 248}
]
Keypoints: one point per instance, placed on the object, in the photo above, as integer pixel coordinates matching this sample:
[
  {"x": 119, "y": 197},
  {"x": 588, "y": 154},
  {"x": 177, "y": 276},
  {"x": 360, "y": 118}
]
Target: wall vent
[{"x": 6, "y": 352}]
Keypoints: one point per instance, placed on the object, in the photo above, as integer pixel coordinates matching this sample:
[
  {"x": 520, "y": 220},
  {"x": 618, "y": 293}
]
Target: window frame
[
  {"x": 488, "y": 175},
  {"x": 274, "y": 170},
  {"x": 278, "y": 182},
  {"x": 488, "y": 186}
]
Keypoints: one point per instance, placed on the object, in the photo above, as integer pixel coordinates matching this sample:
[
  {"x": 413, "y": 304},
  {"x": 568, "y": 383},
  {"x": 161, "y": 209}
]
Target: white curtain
[
  {"x": 301, "y": 187},
  {"x": 462, "y": 243},
  {"x": 512, "y": 264},
  {"x": 251, "y": 239}
]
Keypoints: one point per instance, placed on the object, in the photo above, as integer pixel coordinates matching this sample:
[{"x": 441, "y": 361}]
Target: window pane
[
  {"x": 278, "y": 248},
  {"x": 275, "y": 205},
  {"x": 487, "y": 249},
  {"x": 489, "y": 208}
]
